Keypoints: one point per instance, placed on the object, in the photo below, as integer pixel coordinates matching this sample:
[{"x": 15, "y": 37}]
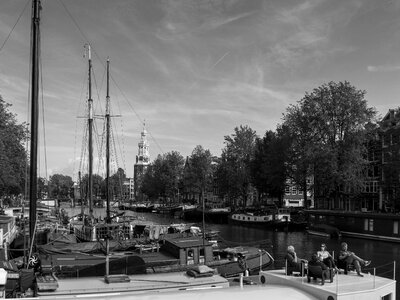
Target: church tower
[{"x": 142, "y": 162}]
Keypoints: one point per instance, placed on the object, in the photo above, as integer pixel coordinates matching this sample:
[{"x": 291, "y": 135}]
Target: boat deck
[
  {"x": 67, "y": 288},
  {"x": 343, "y": 287}
]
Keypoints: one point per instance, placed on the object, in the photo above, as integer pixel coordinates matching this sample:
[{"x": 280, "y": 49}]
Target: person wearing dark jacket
[
  {"x": 325, "y": 271},
  {"x": 316, "y": 262},
  {"x": 294, "y": 263}
]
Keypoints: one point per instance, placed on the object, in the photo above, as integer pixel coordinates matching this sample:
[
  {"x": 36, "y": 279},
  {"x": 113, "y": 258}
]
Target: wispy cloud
[{"x": 383, "y": 68}]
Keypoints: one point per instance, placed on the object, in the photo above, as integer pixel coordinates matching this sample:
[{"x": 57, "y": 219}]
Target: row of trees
[
  {"x": 323, "y": 135},
  {"x": 61, "y": 186}
]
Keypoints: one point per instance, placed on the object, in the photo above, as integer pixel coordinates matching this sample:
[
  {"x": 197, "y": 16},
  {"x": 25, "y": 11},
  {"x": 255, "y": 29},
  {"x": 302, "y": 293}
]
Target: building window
[
  {"x": 294, "y": 190},
  {"x": 287, "y": 190}
]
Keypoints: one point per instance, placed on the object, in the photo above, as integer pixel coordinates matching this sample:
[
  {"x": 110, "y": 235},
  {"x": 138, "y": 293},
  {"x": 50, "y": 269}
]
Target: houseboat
[
  {"x": 276, "y": 218},
  {"x": 177, "y": 254},
  {"x": 362, "y": 224}
]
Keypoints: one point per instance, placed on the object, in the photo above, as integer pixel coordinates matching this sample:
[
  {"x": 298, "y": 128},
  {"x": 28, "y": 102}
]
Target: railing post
[
  {"x": 286, "y": 267},
  {"x": 394, "y": 270},
  {"x": 374, "y": 276},
  {"x": 337, "y": 284}
]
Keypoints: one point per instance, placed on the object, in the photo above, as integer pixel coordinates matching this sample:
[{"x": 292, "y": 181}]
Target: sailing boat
[
  {"x": 87, "y": 228},
  {"x": 39, "y": 280}
]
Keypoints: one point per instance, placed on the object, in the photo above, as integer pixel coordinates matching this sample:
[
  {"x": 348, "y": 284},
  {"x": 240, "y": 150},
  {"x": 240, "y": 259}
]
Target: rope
[
  {"x": 76, "y": 127},
  {"x": 12, "y": 29}
]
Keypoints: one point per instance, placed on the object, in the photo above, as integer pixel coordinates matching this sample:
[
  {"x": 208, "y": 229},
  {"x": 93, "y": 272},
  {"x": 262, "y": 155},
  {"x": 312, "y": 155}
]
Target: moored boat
[
  {"x": 361, "y": 224},
  {"x": 173, "y": 255},
  {"x": 274, "y": 218}
]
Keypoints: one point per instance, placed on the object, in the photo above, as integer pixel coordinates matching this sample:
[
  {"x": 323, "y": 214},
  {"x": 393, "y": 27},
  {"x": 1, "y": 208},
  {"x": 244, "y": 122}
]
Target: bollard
[
  {"x": 241, "y": 280},
  {"x": 246, "y": 273}
]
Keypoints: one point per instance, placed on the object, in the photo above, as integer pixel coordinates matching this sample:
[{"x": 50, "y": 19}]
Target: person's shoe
[
  {"x": 367, "y": 263},
  {"x": 359, "y": 274}
]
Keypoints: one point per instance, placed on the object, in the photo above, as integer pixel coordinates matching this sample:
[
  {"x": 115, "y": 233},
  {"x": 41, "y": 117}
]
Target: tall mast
[
  {"x": 35, "y": 44},
  {"x": 108, "y": 142},
  {"x": 108, "y": 219},
  {"x": 90, "y": 124}
]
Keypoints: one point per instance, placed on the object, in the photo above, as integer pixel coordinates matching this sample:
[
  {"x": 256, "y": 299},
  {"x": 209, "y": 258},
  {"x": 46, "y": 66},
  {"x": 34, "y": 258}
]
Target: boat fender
[{"x": 263, "y": 279}]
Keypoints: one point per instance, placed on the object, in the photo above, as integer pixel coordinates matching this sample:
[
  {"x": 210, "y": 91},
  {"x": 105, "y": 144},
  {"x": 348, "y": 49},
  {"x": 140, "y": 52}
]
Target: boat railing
[{"x": 371, "y": 275}]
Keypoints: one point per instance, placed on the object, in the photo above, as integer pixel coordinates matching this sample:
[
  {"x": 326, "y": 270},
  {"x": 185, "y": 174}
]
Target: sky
[{"x": 191, "y": 70}]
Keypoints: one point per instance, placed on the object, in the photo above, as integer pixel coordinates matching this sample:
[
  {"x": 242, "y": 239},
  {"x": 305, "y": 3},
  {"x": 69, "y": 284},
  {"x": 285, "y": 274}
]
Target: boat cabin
[{"x": 190, "y": 250}]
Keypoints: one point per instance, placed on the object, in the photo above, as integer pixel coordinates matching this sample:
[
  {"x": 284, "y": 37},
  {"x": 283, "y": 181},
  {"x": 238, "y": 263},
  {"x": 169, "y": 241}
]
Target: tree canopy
[
  {"x": 198, "y": 172},
  {"x": 60, "y": 186},
  {"x": 13, "y": 157},
  {"x": 268, "y": 166},
  {"x": 234, "y": 170},
  {"x": 328, "y": 129},
  {"x": 163, "y": 176}
]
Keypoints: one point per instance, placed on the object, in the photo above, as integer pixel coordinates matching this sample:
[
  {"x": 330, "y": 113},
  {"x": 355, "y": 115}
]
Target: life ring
[{"x": 263, "y": 279}]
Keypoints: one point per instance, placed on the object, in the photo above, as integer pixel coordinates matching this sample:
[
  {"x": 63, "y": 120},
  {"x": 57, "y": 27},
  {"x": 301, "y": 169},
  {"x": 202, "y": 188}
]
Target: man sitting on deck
[
  {"x": 294, "y": 264},
  {"x": 350, "y": 258}
]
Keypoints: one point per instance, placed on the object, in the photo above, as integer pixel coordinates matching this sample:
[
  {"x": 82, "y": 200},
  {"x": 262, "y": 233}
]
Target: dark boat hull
[{"x": 83, "y": 265}]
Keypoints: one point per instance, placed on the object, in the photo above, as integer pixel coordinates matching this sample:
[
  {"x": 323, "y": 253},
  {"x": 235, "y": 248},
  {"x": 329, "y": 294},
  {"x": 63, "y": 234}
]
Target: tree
[
  {"x": 198, "y": 174},
  {"x": 328, "y": 128},
  {"x": 234, "y": 170},
  {"x": 97, "y": 185},
  {"x": 60, "y": 186},
  {"x": 163, "y": 176},
  {"x": 268, "y": 166},
  {"x": 173, "y": 172},
  {"x": 13, "y": 157},
  {"x": 116, "y": 184},
  {"x": 42, "y": 187}
]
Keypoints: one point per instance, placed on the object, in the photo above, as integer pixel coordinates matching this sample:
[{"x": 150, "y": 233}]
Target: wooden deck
[{"x": 343, "y": 287}]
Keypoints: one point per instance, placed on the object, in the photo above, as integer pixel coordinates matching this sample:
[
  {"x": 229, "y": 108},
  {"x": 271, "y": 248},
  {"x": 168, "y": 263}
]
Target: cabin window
[
  {"x": 396, "y": 227},
  {"x": 369, "y": 224}
]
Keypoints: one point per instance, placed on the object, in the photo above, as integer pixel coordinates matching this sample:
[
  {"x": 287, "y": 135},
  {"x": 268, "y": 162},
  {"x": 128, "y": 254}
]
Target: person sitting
[
  {"x": 294, "y": 264},
  {"x": 317, "y": 269},
  {"x": 350, "y": 258},
  {"x": 327, "y": 258}
]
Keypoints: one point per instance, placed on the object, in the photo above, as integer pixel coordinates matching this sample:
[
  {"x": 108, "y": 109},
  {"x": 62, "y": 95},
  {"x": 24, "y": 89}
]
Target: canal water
[{"x": 382, "y": 254}]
